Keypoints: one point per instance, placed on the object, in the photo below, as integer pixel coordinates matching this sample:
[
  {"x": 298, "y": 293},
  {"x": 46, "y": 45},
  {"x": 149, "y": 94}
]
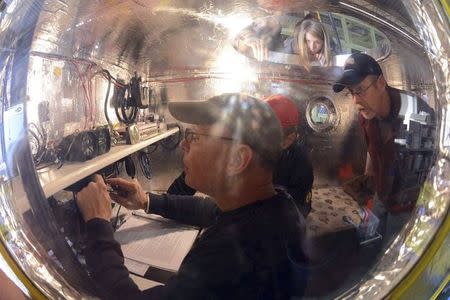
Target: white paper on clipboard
[
  {"x": 136, "y": 267},
  {"x": 156, "y": 242}
]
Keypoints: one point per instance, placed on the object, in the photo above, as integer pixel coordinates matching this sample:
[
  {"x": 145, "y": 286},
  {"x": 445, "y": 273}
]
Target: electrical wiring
[
  {"x": 126, "y": 111},
  {"x": 91, "y": 94},
  {"x": 86, "y": 84},
  {"x": 105, "y": 107},
  {"x": 37, "y": 143},
  {"x": 40, "y": 141},
  {"x": 115, "y": 169},
  {"x": 111, "y": 81},
  {"x": 86, "y": 70},
  {"x": 124, "y": 115},
  {"x": 144, "y": 162},
  {"x": 62, "y": 156},
  {"x": 118, "y": 166},
  {"x": 107, "y": 75}
]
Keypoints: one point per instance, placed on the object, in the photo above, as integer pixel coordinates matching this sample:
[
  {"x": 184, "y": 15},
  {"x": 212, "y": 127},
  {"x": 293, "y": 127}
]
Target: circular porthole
[{"x": 321, "y": 115}]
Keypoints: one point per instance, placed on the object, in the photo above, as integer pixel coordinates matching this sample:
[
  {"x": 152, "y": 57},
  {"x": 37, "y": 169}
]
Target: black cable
[
  {"x": 144, "y": 161},
  {"x": 117, "y": 82},
  {"x": 107, "y": 97},
  {"x": 119, "y": 167},
  {"x": 122, "y": 107},
  {"x": 40, "y": 139},
  {"x": 38, "y": 142},
  {"x": 119, "y": 95},
  {"x": 37, "y": 129},
  {"x": 40, "y": 149},
  {"x": 170, "y": 142},
  {"x": 63, "y": 157}
]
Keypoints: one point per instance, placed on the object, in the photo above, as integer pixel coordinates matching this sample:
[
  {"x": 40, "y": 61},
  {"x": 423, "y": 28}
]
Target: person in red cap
[{"x": 293, "y": 172}]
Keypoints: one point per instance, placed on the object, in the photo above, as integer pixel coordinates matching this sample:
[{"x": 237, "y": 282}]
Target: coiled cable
[{"x": 144, "y": 162}]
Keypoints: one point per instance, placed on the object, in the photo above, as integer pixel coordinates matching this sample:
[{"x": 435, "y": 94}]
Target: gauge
[{"x": 132, "y": 134}]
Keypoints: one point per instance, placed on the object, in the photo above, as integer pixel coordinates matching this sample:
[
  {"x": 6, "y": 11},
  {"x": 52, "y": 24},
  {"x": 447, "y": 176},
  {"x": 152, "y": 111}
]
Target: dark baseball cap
[
  {"x": 357, "y": 67},
  {"x": 249, "y": 121}
]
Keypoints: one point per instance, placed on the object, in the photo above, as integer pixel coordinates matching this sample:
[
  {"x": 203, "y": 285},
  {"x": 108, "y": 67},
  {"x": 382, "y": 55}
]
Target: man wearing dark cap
[
  {"x": 379, "y": 107},
  {"x": 293, "y": 171},
  {"x": 229, "y": 154}
]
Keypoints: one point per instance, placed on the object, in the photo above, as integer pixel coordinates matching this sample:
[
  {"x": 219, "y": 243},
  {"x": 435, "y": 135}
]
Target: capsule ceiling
[{"x": 145, "y": 37}]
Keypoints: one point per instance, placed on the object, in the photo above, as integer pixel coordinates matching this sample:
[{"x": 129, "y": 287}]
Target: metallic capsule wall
[{"x": 184, "y": 49}]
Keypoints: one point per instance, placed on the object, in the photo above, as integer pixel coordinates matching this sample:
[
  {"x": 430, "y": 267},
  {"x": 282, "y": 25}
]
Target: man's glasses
[
  {"x": 360, "y": 91},
  {"x": 190, "y": 135}
]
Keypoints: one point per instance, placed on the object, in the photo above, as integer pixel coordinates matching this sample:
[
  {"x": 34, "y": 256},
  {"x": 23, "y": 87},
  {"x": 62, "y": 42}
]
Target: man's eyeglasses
[
  {"x": 360, "y": 91},
  {"x": 190, "y": 135}
]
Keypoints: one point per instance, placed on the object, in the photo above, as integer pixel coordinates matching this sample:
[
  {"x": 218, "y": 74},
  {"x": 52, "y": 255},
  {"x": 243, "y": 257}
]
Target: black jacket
[
  {"x": 244, "y": 254},
  {"x": 293, "y": 173}
]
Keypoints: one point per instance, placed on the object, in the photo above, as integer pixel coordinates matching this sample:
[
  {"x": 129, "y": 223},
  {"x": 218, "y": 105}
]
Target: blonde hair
[{"x": 316, "y": 29}]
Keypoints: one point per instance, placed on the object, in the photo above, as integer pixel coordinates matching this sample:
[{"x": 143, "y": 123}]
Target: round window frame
[{"x": 333, "y": 118}]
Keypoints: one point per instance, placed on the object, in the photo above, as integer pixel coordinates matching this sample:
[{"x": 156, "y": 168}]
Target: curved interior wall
[{"x": 46, "y": 37}]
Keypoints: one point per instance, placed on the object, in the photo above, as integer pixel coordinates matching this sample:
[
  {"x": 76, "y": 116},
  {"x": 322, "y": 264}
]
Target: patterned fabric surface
[{"x": 330, "y": 207}]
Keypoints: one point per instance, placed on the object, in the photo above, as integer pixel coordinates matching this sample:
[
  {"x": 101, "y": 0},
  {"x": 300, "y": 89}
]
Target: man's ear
[
  {"x": 381, "y": 82},
  {"x": 240, "y": 158}
]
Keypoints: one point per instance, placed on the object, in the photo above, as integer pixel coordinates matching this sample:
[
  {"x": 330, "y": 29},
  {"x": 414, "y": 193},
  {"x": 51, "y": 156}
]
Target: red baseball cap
[{"x": 285, "y": 110}]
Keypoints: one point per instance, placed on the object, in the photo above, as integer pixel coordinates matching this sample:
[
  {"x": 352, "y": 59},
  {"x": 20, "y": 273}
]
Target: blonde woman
[{"x": 311, "y": 43}]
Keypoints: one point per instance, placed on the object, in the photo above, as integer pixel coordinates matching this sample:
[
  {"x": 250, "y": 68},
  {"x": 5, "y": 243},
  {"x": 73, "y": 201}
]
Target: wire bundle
[
  {"x": 144, "y": 161},
  {"x": 39, "y": 138}
]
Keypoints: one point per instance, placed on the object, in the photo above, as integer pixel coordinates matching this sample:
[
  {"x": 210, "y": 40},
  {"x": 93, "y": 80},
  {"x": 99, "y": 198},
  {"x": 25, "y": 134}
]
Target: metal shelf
[{"x": 55, "y": 179}]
